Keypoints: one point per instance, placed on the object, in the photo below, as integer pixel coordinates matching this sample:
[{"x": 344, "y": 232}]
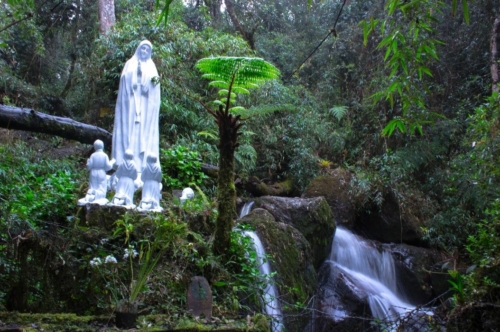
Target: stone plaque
[{"x": 199, "y": 297}]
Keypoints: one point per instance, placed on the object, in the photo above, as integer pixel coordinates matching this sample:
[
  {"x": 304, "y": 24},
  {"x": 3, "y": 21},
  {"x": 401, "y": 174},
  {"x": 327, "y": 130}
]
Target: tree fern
[
  {"x": 232, "y": 76},
  {"x": 235, "y": 75}
]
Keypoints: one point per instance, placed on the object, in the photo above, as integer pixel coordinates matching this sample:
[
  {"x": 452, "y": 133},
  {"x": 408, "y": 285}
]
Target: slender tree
[
  {"x": 494, "y": 54},
  {"x": 106, "y": 15},
  {"x": 232, "y": 76}
]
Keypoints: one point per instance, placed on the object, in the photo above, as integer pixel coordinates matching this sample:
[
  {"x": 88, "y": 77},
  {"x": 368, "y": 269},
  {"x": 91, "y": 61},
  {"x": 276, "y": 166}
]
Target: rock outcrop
[
  {"x": 310, "y": 216},
  {"x": 392, "y": 219},
  {"x": 291, "y": 258}
]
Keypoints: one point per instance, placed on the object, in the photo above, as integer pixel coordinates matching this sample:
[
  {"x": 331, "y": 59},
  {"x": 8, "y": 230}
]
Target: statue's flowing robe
[
  {"x": 151, "y": 176},
  {"x": 125, "y": 188},
  {"x": 137, "y": 113}
]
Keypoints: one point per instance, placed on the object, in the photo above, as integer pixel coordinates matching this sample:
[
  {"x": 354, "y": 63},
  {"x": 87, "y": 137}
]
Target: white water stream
[
  {"x": 270, "y": 296},
  {"x": 372, "y": 271}
]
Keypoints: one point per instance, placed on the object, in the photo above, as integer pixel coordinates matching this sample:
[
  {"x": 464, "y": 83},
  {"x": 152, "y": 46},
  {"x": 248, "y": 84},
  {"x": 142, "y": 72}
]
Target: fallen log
[
  {"x": 257, "y": 187},
  {"x": 31, "y": 120}
]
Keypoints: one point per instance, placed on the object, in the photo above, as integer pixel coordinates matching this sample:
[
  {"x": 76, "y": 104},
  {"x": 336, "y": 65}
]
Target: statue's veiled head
[{"x": 143, "y": 51}]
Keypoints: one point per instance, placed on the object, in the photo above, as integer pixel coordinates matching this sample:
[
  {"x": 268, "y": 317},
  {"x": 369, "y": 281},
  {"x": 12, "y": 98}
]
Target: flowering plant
[
  {"x": 118, "y": 274},
  {"x": 126, "y": 275}
]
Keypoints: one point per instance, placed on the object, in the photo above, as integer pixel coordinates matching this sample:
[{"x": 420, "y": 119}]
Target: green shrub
[{"x": 181, "y": 168}]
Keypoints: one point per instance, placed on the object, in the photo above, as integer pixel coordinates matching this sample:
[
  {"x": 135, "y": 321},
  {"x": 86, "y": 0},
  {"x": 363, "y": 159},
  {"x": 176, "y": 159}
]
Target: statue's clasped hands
[{"x": 144, "y": 88}]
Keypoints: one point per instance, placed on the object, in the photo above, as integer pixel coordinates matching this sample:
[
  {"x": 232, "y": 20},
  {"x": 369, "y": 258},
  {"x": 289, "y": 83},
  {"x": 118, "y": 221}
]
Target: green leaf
[
  {"x": 223, "y": 92},
  {"x": 393, "y": 4},
  {"x": 410, "y": 4},
  {"x": 425, "y": 70},
  {"x": 237, "y": 109},
  {"x": 217, "y": 84},
  {"x": 387, "y": 53},
  {"x": 338, "y": 112},
  {"x": 392, "y": 125},
  {"x": 465, "y": 7},
  {"x": 164, "y": 12},
  {"x": 454, "y": 7},
  {"x": 241, "y": 90},
  {"x": 207, "y": 134}
]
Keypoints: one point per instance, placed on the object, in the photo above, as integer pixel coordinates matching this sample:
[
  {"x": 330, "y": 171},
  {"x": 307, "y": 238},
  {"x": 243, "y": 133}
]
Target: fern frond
[
  {"x": 240, "y": 71},
  {"x": 338, "y": 112},
  {"x": 235, "y": 75},
  {"x": 219, "y": 84},
  {"x": 246, "y": 156},
  {"x": 241, "y": 90},
  {"x": 208, "y": 134},
  {"x": 237, "y": 110}
]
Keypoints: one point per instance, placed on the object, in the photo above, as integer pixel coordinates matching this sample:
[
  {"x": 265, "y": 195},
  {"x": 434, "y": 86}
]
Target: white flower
[
  {"x": 130, "y": 251},
  {"x": 96, "y": 261},
  {"x": 110, "y": 259},
  {"x": 104, "y": 240}
]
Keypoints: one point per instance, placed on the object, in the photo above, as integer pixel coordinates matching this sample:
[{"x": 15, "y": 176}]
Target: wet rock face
[
  {"x": 291, "y": 259},
  {"x": 310, "y": 216},
  {"x": 388, "y": 223},
  {"x": 335, "y": 187},
  {"x": 339, "y": 304},
  {"x": 419, "y": 272}
]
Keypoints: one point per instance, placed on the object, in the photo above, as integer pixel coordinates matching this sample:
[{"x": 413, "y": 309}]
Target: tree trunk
[
  {"x": 30, "y": 120},
  {"x": 74, "y": 38},
  {"x": 226, "y": 190},
  {"x": 494, "y": 54},
  {"x": 214, "y": 11},
  {"x": 248, "y": 35},
  {"x": 106, "y": 15},
  {"x": 256, "y": 187}
]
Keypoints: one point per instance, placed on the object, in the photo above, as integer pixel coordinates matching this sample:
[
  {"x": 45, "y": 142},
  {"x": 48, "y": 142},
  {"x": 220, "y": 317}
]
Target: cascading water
[
  {"x": 247, "y": 207},
  {"x": 270, "y": 292},
  {"x": 372, "y": 271},
  {"x": 270, "y": 297}
]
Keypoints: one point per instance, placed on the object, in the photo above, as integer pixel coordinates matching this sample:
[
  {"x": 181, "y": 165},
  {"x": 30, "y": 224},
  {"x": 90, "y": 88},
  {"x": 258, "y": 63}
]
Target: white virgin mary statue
[{"x": 137, "y": 109}]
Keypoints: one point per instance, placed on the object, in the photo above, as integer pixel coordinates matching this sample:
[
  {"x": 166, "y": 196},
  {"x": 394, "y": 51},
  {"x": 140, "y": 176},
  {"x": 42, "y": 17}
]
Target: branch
[{"x": 31, "y": 120}]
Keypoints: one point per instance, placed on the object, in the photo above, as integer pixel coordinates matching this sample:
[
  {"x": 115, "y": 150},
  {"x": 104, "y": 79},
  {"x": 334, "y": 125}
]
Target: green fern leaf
[
  {"x": 338, "y": 112},
  {"x": 237, "y": 109},
  {"x": 235, "y": 75}
]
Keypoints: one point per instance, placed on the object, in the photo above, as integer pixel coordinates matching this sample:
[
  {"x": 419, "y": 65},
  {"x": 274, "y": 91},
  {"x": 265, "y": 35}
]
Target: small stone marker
[{"x": 199, "y": 297}]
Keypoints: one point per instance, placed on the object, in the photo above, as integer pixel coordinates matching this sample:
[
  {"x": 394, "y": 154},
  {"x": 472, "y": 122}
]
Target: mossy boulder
[
  {"x": 335, "y": 188},
  {"x": 310, "y": 216},
  {"x": 291, "y": 258},
  {"x": 101, "y": 216}
]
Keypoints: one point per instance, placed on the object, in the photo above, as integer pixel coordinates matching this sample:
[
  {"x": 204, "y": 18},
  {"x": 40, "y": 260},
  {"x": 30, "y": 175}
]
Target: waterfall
[
  {"x": 270, "y": 291},
  {"x": 372, "y": 271},
  {"x": 245, "y": 209},
  {"x": 270, "y": 297}
]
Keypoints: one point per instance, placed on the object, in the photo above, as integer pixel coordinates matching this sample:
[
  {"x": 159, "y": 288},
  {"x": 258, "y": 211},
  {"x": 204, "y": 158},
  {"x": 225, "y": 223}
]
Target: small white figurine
[
  {"x": 125, "y": 188},
  {"x": 151, "y": 189},
  {"x": 187, "y": 193},
  {"x": 98, "y": 164}
]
